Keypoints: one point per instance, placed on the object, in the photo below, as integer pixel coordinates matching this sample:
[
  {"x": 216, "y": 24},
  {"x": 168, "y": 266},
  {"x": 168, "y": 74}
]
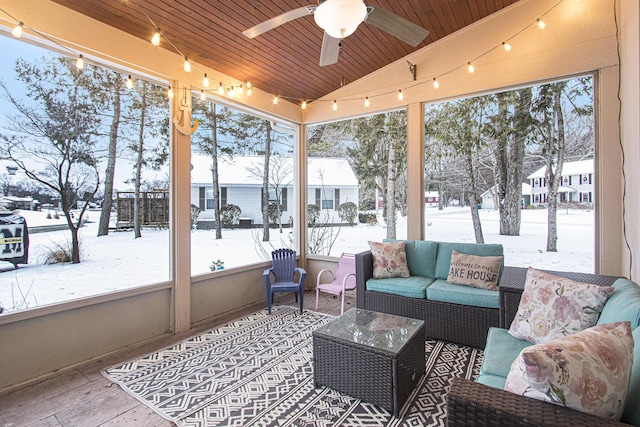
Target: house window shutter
[
  {"x": 201, "y": 198},
  {"x": 337, "y": 197},
  {"x": 318, "y": 203},
  {"x": 284, "y": 199},
  {"x": 223, "y": 196}
]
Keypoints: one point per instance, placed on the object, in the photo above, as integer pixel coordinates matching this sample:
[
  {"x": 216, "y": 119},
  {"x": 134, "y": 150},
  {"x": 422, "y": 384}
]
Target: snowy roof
[
  {"x": 526, "y": 190},
  {"x": 241, "y": 170},
  {"x": 568, "y": 169}
]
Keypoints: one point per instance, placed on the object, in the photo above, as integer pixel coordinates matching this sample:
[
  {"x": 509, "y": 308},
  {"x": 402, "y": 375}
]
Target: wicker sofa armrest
[
  {"x": 474, "y": 404},
  {"x": 364, "y": 272}
]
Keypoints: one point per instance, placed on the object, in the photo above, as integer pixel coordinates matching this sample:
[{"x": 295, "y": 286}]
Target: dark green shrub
[
  {"x": 195, "y": 212},
  {"x": 275, "y": 212},
  {"x": 347, "y": 212},
  {"x": 313, "y": 213},
  {"x": 367, "y": 218},
  {"x": 230, "y": 214}
]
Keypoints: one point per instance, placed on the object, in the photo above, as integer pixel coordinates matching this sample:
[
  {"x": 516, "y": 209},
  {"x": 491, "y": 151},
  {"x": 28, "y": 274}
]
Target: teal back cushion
[
  {"x": 443, "y": 256},
  {"x": 421, "y": 257},
  {"x": 623, "y": 304}
]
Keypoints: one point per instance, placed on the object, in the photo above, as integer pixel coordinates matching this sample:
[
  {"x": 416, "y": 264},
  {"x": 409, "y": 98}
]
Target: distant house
[
  {"x": 431, "y": 198},
  {"x": 14, "y": 202},
  {"x": 330, "y": 182},
  {"x": 577, "y": 183},
  {"x": 488, "y": 197}
]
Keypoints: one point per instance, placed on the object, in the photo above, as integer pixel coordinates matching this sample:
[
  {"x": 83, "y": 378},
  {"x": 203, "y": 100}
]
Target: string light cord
[
  {"x": 622, "y": 152},
  {"x": 44, "y": 36},
  {"x": 437, "y": 77},
  {"x": 231, "y": 87}
]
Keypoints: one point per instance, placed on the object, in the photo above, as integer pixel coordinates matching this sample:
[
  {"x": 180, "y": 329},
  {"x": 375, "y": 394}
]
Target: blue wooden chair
[{"x": 283, "y": 270}]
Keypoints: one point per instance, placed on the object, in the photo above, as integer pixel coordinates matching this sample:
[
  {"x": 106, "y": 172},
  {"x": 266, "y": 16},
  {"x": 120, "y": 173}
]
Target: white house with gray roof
[
  {"x": 330, "y": 182},
  {"x": 577, "y": 183}
]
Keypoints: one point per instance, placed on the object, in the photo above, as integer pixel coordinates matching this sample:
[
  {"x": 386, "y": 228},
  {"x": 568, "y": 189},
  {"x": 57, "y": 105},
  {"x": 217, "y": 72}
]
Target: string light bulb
[
  {"x": 231, "y": 92},
  {"x": 470, "y": 67},
  {"x": 335, "y": 105},
  {"x": 17, "y": 30},
  {"x": 129, "y": 82},
  {"x": 541, "y": 24},
  {"x": 187, "y": 65},
  {"x": 240, "y": 90},
  {"x": 304, "y": 105},
  {"x": 366, "y": 102},
  {"x": 249, "y": 91},
  {"x": 220, "y": 89},
  {"x": 205, "y": 80},
  {"x": 506, "y": 46},
  {"x": 170, "y": 93},
  {"x": 202, "y": 97},
  {"x": 275, "y": 100},
  {"x": 155, "y": 40},
  {"x": 436, "y": 85},
  {"x": 400, "y": 95},
  {"x": 80, "y": 62}
]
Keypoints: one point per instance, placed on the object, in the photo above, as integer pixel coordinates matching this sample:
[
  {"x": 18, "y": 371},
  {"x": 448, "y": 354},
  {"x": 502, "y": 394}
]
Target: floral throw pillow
[
  {"x": 588, "y": 371},
  {"x": 552, "y": 307},
  {"x": 389, "y": 260},
  {"x": 474, "y": 270}
]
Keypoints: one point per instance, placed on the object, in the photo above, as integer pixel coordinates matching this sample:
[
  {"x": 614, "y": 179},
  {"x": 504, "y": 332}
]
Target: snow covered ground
[{"x": 118, "y": 261}]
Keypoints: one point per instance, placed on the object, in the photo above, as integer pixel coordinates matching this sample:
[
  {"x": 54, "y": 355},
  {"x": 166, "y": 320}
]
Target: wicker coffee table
[{"x": 373, "y": 356}]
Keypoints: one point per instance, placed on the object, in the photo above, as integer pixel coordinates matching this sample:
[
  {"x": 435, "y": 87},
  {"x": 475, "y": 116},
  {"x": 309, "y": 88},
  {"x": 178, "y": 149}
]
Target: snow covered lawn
[{"x": 118, "y": 261}]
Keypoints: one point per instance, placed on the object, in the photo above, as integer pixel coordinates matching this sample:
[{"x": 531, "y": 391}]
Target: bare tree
[
  {"x": 512, "y": 126},
  {"x": 146, "y": 112},
  {"x": 105, "y": 87},
  {"x": 460, "y": 125},
  {"x": 51, "y": 138}
]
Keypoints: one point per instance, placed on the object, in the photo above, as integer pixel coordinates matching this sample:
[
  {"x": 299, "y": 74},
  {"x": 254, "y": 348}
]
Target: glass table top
[{"x": 369, "y": 328}]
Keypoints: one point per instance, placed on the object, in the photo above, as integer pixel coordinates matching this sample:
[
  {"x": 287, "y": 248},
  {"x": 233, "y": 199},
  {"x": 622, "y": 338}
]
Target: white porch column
[
  {"x": 180, "y": 125},
  {"x": 300, "y": 223},
  {"x": 415, "y": 171}
]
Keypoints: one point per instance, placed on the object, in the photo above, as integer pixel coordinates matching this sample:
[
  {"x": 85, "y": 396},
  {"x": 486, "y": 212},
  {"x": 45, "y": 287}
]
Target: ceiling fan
[{"x": 339, "y": 19}]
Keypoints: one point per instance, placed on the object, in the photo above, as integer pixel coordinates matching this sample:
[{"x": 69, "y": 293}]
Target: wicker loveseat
[
  {"x": 485, "y": 403},
  {"x": 455, "y": 313}
]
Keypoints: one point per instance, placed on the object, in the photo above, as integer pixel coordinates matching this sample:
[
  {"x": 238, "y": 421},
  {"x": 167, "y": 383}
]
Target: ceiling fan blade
[
  {"x": 330, "y": 50},
  {"x": 274, "y": 22},
  {"x": 396, "y": 25}
]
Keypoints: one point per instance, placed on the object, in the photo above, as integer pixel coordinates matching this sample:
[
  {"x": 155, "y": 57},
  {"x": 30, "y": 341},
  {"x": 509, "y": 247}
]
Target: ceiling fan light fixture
[{"x": 340, "y": 18}]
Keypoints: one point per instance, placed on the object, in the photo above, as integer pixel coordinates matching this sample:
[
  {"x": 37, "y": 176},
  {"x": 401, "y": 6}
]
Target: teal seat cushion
[
  {"x": 413, "y": 287},
  {"x": 492, "y": 380},
  {"x": 623, "y": 304},
  {"x": 631, "y": 414},
  {"x": 440, "y": 290},
  {"x": 501, "y": 350},
  {"x": 443, "y": 257},
  {"x": 421, "y": 257}
]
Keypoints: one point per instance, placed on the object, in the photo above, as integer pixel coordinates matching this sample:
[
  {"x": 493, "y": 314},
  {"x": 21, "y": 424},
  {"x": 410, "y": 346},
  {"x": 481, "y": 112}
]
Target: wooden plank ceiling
[{"x": 283, "y": 61}]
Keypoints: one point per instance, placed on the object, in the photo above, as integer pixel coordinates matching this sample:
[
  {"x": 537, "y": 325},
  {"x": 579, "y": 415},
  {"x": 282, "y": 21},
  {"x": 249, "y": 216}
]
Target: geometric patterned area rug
[{"x": 258, "y": 371}]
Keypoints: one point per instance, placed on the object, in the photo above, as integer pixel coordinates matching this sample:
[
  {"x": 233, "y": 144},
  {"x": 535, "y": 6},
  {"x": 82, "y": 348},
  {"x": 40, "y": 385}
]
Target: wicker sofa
[
  {"x": 485, "y": 403},
  {"x": 427, "y": 296}
]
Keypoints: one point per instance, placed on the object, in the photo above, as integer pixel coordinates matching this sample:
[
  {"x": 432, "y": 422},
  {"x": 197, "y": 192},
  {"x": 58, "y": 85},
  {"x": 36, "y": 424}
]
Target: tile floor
[{"x": 82, "y": 397}]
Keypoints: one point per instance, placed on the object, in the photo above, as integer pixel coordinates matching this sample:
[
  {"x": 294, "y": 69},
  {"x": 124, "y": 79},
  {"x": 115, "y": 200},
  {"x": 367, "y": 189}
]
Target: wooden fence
[{"x": 154, "y": 208}]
